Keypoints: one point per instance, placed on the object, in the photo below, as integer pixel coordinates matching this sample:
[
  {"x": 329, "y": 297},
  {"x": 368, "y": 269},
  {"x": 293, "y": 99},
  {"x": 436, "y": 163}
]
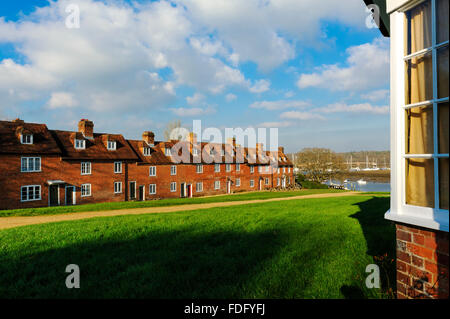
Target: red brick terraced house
[
  {"x": 419, "y": 109},
  {"x": 42, "y": 167}
]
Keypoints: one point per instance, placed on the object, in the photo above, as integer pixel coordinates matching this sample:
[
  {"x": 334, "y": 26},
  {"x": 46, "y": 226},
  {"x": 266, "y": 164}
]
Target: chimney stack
[
  {"x": 232, "y": 141},
  {"x": 259, "y": 148},
  {"x": 192, "y": 138},
  {"x": 148, "y": 137},
  {"x": 86, "y": 127}
]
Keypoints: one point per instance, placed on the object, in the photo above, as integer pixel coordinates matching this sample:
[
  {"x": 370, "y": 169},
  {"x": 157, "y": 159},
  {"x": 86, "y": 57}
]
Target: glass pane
[
  {"x": 442, "y": 68},
  {"x": 419, "y": 130},
  {"x": 443, "y": 183},
  {"x": 420, "y": 182},
  {"x": 418, "y": 22},
  {"x": 419, "y": 79},
  {"x": 442, "y": 20},
  {"x": 443, "y": 128}
]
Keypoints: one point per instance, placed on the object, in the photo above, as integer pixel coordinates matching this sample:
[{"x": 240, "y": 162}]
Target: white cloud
[
  {"x": 268, "y": 35},
  {"x": 279, "y": 105},
  {"x": 376, "y": 95},
  {"x": 275, "y": 124},
  {"x": 367, "y": 67},
  {"x": 62, "y": 99},
  {"x": 297, "y": 115},
  {"x": 196, "y": 99},
  {"x": 289, "y": 94},
  {"x": 354, "y": 108},
  {"x": 230, "y": 97},
  {"x": 260, "y": 86},
  {"x": 192, "y": 111}
]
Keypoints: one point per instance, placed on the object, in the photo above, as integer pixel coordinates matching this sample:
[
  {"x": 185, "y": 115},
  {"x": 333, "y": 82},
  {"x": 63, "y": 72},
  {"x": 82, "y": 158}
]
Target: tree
[
  {"x": 319, "y": 164},
  {"x": 172, "y": 130}
]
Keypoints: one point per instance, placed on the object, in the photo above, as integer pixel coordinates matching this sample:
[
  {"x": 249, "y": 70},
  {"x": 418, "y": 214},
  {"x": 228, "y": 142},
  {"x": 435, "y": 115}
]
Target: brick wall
[{"x": 422, "y": 262}]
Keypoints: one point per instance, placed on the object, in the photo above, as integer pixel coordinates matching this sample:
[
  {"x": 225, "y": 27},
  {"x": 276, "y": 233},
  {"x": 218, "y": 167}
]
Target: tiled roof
[
  {"x": 95, "y": 148},
  {"x": 43, "y": 141}
]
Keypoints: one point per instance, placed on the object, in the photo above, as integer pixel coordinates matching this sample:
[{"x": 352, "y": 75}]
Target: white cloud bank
[{"x": 367, "y": 67}]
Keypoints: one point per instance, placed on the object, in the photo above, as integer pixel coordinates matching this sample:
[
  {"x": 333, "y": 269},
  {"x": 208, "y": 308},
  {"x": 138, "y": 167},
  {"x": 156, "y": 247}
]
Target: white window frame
[
  {"x": 168, "y": 152},
  {"x": 117, "y": 187},
  {"x": 252, "y": 169},
  {"x": 24, "y": 141},
  {"x": 34, "y": 192},
  {"x": 89, "y": 188},
  {"x": 199, "y": 168},
  {"x": 434, "y": 218},
  {"x": 252, "y": 183},
  {"x": 266, "y": 181},
  {"x": 216, "y": 185},
  {"x": 152, "y": 189},
  {"x": 80, "y": 144},
  {"x": 111, "y": 145},
  {"x": 85, "y": 170},
  {"x": 173, "y": 187},
  {"x": 238, "y": 182},
  {"x": 216, "y": 168},
  {"x": 146, "y": 151},
  {"x": 173, "y": 170},
  {"x": 150, "y": 169},
  {"x": 238, "y": 167},
  {"x": 25, "y": 169},
  {"x": 195, "y": 151},
  {"x": 259, "y": 169},
  {"x": 199, "y": 187},
  {"x": 117, "y": 171},
  {"x": 228, "y": 168}
]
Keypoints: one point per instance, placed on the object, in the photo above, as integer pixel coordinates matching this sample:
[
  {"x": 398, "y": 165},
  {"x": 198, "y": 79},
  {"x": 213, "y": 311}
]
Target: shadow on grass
[
  {"x": 163, "y": 264},
  {"x": 379, "y": 234}
]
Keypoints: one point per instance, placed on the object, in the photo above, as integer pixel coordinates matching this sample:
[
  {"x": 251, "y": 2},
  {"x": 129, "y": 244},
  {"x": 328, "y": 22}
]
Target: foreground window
[
  {"x": 152, "y": 189},
  {"x": 426, "y": 150},
  {"x": 117, "y": 187}
]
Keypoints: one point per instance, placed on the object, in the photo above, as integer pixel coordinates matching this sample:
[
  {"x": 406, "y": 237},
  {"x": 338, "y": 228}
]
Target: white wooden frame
[
  {"x": 30, "y": 200},
  {"x": 433, "y": 218}
]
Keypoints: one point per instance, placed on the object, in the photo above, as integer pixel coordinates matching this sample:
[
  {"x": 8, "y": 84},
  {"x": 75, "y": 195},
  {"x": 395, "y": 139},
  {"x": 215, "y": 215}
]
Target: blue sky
[{"x": 311, "y": 68}]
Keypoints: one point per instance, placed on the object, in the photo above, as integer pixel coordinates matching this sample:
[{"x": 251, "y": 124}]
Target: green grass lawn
[
  {"x": 311, "y": 248},
  {"x": 159, "y": 203}
]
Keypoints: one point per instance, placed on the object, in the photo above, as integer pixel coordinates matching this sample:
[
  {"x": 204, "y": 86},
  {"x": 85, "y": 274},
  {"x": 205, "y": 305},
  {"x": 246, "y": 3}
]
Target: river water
[{"x": 368, "y": 187}]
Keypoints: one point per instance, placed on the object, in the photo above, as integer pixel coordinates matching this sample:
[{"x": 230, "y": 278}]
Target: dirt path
[{"x": 10, "y": 222}]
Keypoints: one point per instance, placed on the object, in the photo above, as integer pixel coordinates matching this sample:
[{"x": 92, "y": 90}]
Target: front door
[
  {"x": 53, "y": 193},
  {"x": 141, "y": 192},
  {"x": 70, "y": 195},
  {"x": 189, "y": 190},
  {"x": 132, "y": 190}
]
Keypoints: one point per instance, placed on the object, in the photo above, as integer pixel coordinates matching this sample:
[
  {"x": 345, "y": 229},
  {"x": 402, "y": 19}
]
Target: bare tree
[
  {"x": 319, "y": 164},
  {"x": 171, "y": 129}
]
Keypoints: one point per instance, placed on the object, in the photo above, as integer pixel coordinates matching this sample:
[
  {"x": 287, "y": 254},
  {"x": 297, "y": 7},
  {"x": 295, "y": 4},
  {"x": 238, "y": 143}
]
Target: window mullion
[{"x": 435, "y": 107}]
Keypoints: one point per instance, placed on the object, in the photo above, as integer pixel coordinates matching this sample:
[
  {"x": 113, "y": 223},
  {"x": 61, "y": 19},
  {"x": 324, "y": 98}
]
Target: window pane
[
  {"x": 419, "y": 130},
  {"x": 443, "y": 131},
  {"x": 442, "y": 72},
  {"x": 24, "y": 193},
  {"x": 419, "y": 79},
  {"x": 443, "y": 183},
  {"x": 442, "y": 20},
  {"x": 420, "y": 182},
  {"x": 418, "y": 22}
]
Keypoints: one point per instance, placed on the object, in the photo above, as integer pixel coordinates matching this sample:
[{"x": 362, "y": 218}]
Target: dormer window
[
  {"x": 147, "y": 151},
  {"x": 111, "y": 145},
  {"x": 222, "y": 153},
  {"x": 80, "y": 144},
  {"x": 26, "y": 138},
  {"x": 195, "y": 152}
]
